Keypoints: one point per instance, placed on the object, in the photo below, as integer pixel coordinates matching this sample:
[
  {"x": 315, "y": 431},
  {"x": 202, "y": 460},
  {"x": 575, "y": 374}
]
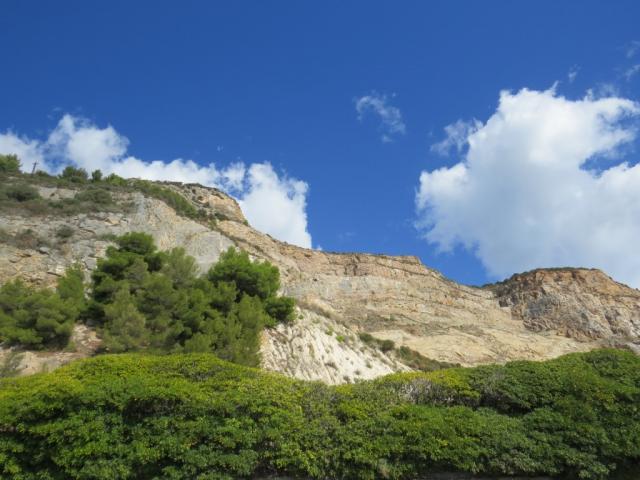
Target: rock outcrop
[
  {"x": 538, "y": 315},
  {"x": 584, "y": 304}
]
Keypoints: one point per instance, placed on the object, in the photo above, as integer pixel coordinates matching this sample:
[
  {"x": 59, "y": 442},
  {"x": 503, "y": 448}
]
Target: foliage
[
  {"x": 20, "y": 192},
  {"x": 27, "y": 238},
  {"x": 96, "y": 176},
  {"x": 194, "y": 416},
  {"x": 64, "y": 232},
  {"x": 39, "y": 318},
  {"x": 409, "y": 357},
  {"x": 255, "y": 279},
  {"x": 25, "y": 198},
  {"x": 176, "y": 201},
  {"x": 125, "y": 325},
  {"x": 96, "y": 196},
  {"x": 146, "y": 299},
  {"x": 94, "y": 193},
  {"x": 74, "y": 175},
  {"x": 9, "y": 164},
  {"x": 116, "y": 180},
  {"x": 417, "y": 361}
]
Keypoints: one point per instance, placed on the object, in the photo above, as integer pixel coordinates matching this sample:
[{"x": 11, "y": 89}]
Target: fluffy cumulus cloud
[
  {"x": 542, "y": 183},
  {"x": 391, "y": 122},
  {"x": 30, "y": 151},
  {"x": 274, "y": 204}
]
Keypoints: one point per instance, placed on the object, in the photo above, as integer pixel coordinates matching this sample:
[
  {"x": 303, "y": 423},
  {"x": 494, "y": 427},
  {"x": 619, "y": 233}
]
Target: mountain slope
[{"x": 538, "y": 315}]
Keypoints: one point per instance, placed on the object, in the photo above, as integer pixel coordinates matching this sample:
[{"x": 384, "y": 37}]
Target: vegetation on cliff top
[
  {"x": 94, "y": 192},
  {"x": 192, "y": 416}
]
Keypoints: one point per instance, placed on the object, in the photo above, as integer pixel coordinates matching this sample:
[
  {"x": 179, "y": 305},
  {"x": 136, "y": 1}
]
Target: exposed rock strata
[{"x": 580, "y": 303}]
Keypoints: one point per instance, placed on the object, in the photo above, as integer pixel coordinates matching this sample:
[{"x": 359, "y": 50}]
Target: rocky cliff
[{"x": 537, "y": 315}]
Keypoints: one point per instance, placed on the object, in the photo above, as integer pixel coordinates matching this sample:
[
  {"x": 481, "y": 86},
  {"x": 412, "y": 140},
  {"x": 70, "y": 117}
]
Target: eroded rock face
[
  {"x": 84, "y": 342},
  {"x": 399, "y": 299},
  {"x": 91, "y": 237},
  {"x": 539, "y": 315},
  {"x": 318, "y": 348},
  {"x": 580, "y": 303}
]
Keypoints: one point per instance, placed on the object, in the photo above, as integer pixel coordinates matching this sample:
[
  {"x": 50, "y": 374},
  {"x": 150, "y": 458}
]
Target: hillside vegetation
[
  {"x": 193, "y": 416},
  {"x": 144, "y": 299},
  {"x": 93, "y": 192}
]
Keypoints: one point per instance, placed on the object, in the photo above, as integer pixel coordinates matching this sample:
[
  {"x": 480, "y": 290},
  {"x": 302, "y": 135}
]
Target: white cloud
[
  {"x": 456, "y": 136},
  {"x": 524, "y": 197},
  {"x": 632, "y": 48},
  {"x": 573, "y": 73},
  {"x": 604, "y": 90},
  {"x": 29, "y": 151},
  {"x": 632, "y": 72},
  {"x": 275, "y": 205},
  {"x": 391, "y": 122},
  {"x": 86, "y": 145}
]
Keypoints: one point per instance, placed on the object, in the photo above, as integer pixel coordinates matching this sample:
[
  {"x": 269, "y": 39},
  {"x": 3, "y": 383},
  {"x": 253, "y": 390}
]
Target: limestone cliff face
[
  {"x": 538, "y": 315},
  {"x": 580, "y": 303}
]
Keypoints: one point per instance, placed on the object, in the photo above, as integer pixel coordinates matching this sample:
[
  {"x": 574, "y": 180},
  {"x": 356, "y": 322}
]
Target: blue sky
[{"x": 281, "y": 82}]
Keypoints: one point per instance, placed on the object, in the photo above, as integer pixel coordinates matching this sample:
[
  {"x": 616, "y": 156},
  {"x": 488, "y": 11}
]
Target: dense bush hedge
[{"x": 196, "y": 417}]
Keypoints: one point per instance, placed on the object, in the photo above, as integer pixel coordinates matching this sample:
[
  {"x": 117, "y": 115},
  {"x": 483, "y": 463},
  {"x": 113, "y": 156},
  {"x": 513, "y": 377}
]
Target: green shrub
[
  {"x": 64, "y": 232},
  {"x": 41, "y": 174},
  {"x": 258, "y": 279},
  {"x": 366, "y": 338},
  {"x": 21, "y": 192},
  {"x": 74, "y": 175},
  {"x": 97, "y": 196},
  {"x": 9, "y": 164},
  {"x": 25, "y": 239},
  {"x": 39, "y": 318},
  {"x": 194, "y": 416},
  {"x": 28, "y": 239},
  {"x": 96, "y": 176},
  {"x": 387, "y": 345},
  {"x": 181, "y": 205},
  {"x": 417, "y": 361},
  {"x": 116, "y": 180}
]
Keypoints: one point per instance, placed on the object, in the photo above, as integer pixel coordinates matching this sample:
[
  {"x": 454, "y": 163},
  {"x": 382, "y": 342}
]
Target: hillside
[{"x": 536, "y": 315}]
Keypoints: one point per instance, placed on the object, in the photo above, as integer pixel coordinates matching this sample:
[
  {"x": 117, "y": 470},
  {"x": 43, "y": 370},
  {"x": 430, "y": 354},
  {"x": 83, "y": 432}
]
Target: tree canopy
[
  {"x": 157, "y": 301},
  {"x": 41, "y": 318},
  {"x": 9, "y": 164}
]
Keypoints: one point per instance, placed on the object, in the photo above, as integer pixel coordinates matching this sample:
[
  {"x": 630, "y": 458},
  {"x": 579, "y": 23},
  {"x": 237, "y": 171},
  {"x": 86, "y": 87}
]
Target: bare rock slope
[{"x": 538, "y": 315}]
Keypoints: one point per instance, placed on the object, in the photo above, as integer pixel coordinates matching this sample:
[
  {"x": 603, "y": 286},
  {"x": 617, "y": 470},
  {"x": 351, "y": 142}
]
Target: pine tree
[{"x": 125, "y": 327}]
